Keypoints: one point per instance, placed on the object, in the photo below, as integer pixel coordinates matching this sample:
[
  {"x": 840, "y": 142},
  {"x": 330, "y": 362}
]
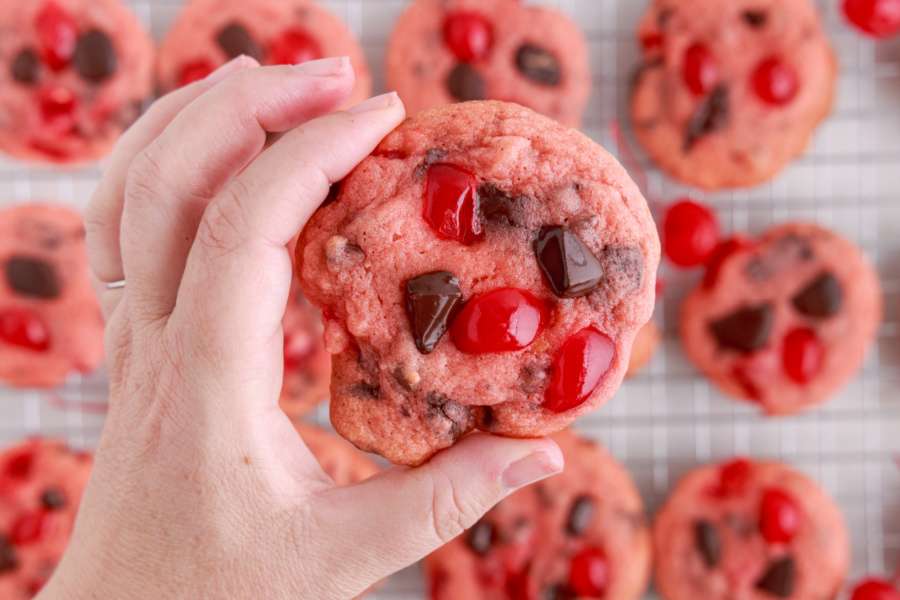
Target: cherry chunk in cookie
[{"x": 485, "y": 268}]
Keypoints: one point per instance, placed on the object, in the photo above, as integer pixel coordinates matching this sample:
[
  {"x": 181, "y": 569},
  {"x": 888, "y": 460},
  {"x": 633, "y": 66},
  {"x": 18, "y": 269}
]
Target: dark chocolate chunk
[
  {"x": 8, "y": 560},
  {"x": 53, "y": 499},
  {"x": 465, "y": 83},
  {"x": 745, "y": 330},
  {"x": 779, "y": 578},
  {"x": 368, "y": 390},
  {"x": 538, "y": 65},
  {"x": 457, "y": 417},
  {"x": 498, "y": 206},
  {"x": 26, "y": 67},
  {"x": 32, "y": 277},
  {"x": 712, "y": 115},
  {"x": 580, "y": 515},
  {"x": 569, "y": 266},
  {"x": 432, "y": 301},
  {"x": 480, "y": 537},
  {"x": 706, "y": 538},
  {"x": 755, "y": 18},
  {"x": 95, "y": 56},
  {"x": 822, "y": 298},
  {"x": 235, "y": 40}
]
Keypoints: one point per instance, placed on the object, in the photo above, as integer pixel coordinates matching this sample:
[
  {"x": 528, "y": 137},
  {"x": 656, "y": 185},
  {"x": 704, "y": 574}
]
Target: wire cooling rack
[{"x": 668, "y": 419}]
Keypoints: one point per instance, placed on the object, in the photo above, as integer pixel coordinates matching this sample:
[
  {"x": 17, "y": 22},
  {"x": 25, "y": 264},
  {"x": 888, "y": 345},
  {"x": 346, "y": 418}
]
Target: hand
[{"x": 202, "y": 487}]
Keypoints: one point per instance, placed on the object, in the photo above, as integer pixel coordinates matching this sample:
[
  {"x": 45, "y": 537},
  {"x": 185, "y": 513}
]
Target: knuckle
[
  {"x": 144, "y": 176},
  {"x": 224, "y": 225},
  {"x": 451, "y": 512}
]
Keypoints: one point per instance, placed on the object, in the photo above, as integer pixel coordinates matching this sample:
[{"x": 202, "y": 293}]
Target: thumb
[{"x": 403, "y": 515}]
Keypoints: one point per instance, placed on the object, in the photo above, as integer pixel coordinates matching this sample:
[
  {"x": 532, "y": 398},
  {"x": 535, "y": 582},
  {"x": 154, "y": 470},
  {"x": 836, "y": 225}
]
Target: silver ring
[{"x": 115, "y": 285}]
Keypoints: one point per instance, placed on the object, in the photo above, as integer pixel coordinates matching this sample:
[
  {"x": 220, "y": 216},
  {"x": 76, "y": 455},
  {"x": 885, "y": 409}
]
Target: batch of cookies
[{"x": 487, "y": 268}]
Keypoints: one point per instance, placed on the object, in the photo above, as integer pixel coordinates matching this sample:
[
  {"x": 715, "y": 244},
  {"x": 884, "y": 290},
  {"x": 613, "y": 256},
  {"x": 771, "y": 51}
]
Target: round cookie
[
  {"x": 544, "y": 541},
  {"x": 644, "y": 348},
  {"x": 50, "y": 320},
  {"x": 74, "y": 74},
  {"x": 41, "y": 483},
  {"x": 208, "y": 33},
  {"x": 444, "y": 51},
  {"x": 749, "y": 530},
  {"x": 340, "y": 460},
  {"x": 783, "y": 321},
  {"x": 729, "y": 92},
  {"x": 523, "y": 241},
  {"x": 307, "y": 365}
]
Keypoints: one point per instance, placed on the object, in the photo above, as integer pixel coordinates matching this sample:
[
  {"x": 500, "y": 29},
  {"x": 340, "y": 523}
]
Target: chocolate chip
[
  {"x": 745, "y": 330},
  {"x": 367, "y": 390},
  {"x": 570, "y": 267},
  {"x": 8, "y": 559},
  {"x": 822, "y": 298},
  {"x": 480, "y": 537},
  {"x": 538, "y": 65},
  {"x": 497, "y": 206},
  {"x": 432, "y": 301},
  {"x": 712, "y": 115},
  {"x": 53, "y": 499},
  {"x": 706, "y": 538},
  {"x": 26, "y": 67},
  {"x": 235, "y": 40},
  {"x": 458, "y": 417},
  {"x": 755, "y": 18},
  {"x": 95, "y": 56},
  {"x": 32, "y": 277},
  {"x": 779, "y": 578},
  {"x": 465, "y": 83},
  {"x": 580, "y": 515}
]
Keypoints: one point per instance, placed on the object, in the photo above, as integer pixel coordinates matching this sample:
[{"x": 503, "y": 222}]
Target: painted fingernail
[
  {"x": 235, "y": 64},
  {"x": 325, "y": 67},
  {"x": 377, "y": 103},
  {"x": 534, "y": 467}
]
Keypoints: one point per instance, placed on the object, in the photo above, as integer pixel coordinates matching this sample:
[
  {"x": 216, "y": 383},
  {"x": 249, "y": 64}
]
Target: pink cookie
[
  {"x": 74, "y": 74},
  {"x": 307, "y": 365},
  {"x": 784, "y": 321},
  {"x": 41, "y": 483},
  {"x": 749, "y": 530},
  {"x": 522, "y": 240},
  {"x": 580, "y": 534},
  {"x": 444, "y": 51},
  {"x": 50, "y": 321},
  {"x": 340, "y": 460},
  {"x": 210, "y": 32}
]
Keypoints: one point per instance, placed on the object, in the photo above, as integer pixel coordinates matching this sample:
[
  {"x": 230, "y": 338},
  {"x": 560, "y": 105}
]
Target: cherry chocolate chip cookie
[
  {"x": 783, "y": 321},
  {"x": 750, "y": 530},
  {"x": 730, "y": 92},
  {"x": 307, "y": 365},
  {"x": 485, "y": 268},
  {"x": 581, "y": 534}
]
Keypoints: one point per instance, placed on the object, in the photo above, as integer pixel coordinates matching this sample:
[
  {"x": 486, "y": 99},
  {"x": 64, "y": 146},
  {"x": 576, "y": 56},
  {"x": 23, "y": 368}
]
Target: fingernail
[
  {"x": 534, "y": 467},
  {"x": 324, "y": 67},
  {"x": 377, "y": 103},
  {"x": 230, "y": 67}
]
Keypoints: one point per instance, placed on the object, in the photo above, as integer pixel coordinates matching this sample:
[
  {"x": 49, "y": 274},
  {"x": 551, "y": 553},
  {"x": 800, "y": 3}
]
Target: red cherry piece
[
  {"x": 451, "y": 204},
  {"x": 802, "y": 355},
  {"x": 578, "y": 369},
  {"x": 879, "y": 18},
  {"x": 293, "y": 47},
  {"x": 723, "y": 251},
  {"x": 690, "y": 233},
  {"x": 700, "y": 71},
  {"x": 29, "y": 528},
  {"x": 875, "y": 589},
  {"x": 297, "y": 349},
  {"x": 195, "y": 71},
  {"x": 19, "y": 327},
  {"x": 58, "y": 35},
  {"x": 589, "y": 573},
  {"x": 58, "y": 105},
  {"x": 733, "y": 477},
  {"x": 776, "y": 82},
  {"x": 19, "y": 466},
  {"x": 468, "y": 35},
  {"x": 779, "y": 517},
  {"x": 652, "y": 41},
  {"x": 503, "y": 320}
]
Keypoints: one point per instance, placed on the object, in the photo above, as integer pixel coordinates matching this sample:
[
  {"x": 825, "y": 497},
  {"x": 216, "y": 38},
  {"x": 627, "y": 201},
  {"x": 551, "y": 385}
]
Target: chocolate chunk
[
  {"x": 368, "y": 390},
  {"x": 710, "y": 116},
  {"x": 458, "y": 417},
  {"x": 480, "y": 537},
  {"x": 557, "y": 591},
  {"x": 822, "y": 298},
  {"x": 706, "y": 538},
  {"x": 745, "y": 330},
  {"x": 570, "y": 267},
  {"x": 8, "y": 560},
  {"x": 235, "y": 40},
  {"x": 432, "y": 301},
  {"x": 779, "y": 578},
  {"x": 53, "y": 499},
  {"x": 580, "y": 515},
  {"x": 26, "y": 67},
  {"x": 95, "y": 56},
  {"x": 500, "y": 207},
  {"x": 538, "y": 65},
  {"x": 32, "y": 277},
  {"x": 755, "y": 18},
  {"x": 465, "y": 83}
]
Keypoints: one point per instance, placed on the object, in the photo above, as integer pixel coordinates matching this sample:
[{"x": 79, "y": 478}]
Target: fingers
[{"x": 404, "y": 515}]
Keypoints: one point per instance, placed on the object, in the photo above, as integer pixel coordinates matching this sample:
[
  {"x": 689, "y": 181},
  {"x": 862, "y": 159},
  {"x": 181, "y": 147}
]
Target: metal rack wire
[{"x": 668, "y": 419}]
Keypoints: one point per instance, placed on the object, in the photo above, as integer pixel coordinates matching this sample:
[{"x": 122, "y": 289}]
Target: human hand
[{"x": 202, "y": 487}]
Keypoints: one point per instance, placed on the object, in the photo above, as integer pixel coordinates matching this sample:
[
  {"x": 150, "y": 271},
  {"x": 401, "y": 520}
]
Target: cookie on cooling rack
[
  {"x": 785, "y": 320},
  {"x": 74, "y": 75},
  {"x": 41, "y": 483},
  {"x": 729, "y": 92},
  {"x": 307, "y": 365},
  {"x": 580, "y": 534},
  {"x": 50, "y": 321},
  {"x": 339, "y": 459},
  {"x": 747, "y": 529},
  {"x": 489, "y": 242},
  {"x": 208, "y": 33},
  {"x": 449, "y": 51}
]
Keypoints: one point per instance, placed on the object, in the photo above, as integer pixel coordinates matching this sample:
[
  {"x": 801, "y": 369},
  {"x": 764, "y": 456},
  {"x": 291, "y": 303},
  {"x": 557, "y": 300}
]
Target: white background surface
[{"x": 669, "y": 419}]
